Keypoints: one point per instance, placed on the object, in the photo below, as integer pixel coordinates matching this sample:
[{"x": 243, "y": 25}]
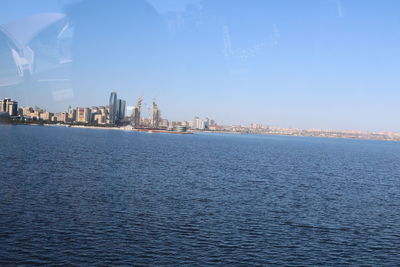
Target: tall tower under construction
[
  {"x": 136, "y": 113},
  {"x": 156, "y": 116}
]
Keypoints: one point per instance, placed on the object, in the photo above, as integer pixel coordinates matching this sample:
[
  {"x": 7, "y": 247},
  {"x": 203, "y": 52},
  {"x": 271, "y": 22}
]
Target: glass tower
[
  {"x": 113, "y": 108},
  {"x": 121, "y": 109}
]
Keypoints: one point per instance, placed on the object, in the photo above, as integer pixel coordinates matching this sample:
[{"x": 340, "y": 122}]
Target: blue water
[{"x": 103, "y": 197}]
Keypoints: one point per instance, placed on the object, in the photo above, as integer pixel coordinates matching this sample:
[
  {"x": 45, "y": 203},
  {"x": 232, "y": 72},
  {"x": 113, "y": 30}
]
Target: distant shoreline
[
  {"x": 128, "y": 128},
  {"x": 131, "y": 129}
]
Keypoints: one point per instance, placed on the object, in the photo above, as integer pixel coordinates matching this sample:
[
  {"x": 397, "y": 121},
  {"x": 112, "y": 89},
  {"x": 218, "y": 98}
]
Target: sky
[{"x": 330, "y": 64}]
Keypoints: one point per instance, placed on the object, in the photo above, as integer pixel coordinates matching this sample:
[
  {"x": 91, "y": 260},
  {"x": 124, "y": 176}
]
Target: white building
[{"x": 198, "y": 124}]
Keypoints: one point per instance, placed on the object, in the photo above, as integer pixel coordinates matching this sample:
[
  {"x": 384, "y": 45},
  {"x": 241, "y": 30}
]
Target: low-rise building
[
  {"x": 99, "y": 118},
  {"x": 26, "y": 111},
  {"x": 61, "y": 116},
  {"x": 164, "y": 123},
  {"x": 46, "y": 116}
]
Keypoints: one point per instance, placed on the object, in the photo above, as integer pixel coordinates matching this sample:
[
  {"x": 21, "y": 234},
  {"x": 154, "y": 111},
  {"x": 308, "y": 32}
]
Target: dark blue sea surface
[{"x": 103, "y": 197}]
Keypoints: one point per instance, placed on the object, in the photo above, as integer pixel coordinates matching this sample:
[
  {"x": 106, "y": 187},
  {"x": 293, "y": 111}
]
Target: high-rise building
[
  {"x": 98, "y": 115},
  {"x": 156, "y": 116},
  {"x": 3, "y": 105},
  {"x": 206, "y": 123},
  {"x": 71, "y": 114},
  {"x": 117, "y": 109},
  {"x": 83, "y": 115},
  {"x": 194, "y": 122},
  {"x": 113, "y": 105},
  {"x": 136, "y": 113},
  {"x": 198, "y": 124},
  {"x": 121, "y": 109},
  {"x": 9, "y": 106},
  {"x": 103, "y": 111}
]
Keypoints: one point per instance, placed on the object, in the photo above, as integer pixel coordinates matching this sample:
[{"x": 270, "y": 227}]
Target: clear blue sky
[{"x": 331, "y": 64}]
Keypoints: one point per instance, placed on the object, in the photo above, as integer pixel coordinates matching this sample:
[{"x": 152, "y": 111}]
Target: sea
[{"x": 86, "y": 197}]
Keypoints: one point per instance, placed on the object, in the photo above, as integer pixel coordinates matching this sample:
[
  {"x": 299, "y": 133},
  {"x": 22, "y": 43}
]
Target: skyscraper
[
  {"x": 121, "y": 109},
  {"x": 156, "y": 115},
  {"x": 136, "y": 113},
  {"x": 206, "y": 123},
  {"x": 113, "y": 115}
]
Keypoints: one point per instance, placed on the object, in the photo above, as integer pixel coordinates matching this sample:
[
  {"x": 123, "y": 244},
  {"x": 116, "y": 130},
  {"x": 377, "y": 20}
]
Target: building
[
  {"x": 156, "y": 116},
  {"x": 26, "y": 111},
  {"x": 194, "y": 122},
  {"x": 61, "y": 116},
  {"x": 46, "y": 116},
  {"x": 103, "y": 111},
  {"x": 4, "y": 116},
  {"x": 136, "y": 114},
  {"x": 206, "y": 123},
  {"x": 83, "y": 115},
  {"x": 164, "y": 123},
  {"x": 186, "y": 123},
  {"x": 113, "y": 105},
  {"x": 9, "y": 106},
  {"x": 121, "y": 109},
  {"x": 256, "y": 126},
  {"x": 117, "y": 109},
  {"x": 198, "y": 124},
  {"x": 146, "y": 122},
  {"x": 215, "y": 128},
  {"x": 95, "y": 110},
  {"x": 180, "y": 128},
  {"x": 99, "y": 118},
  {"x": 71, "y": 114},
  {"x": 99, "y": 115},
  {"x": 35, "y": 115}
]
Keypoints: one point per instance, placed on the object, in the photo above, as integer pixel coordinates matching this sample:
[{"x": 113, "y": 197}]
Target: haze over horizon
[{"x": 329, "y": 64}]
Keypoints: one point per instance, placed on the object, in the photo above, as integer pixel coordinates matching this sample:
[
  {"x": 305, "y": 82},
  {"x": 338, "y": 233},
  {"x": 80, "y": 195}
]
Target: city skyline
[
  {"x": 146, "y": 112},
  {"x": 113, "y": 114},
  {"x": 153, "y": 121},
  {"x": 322, "y": 64},
  {"x": 113, "y": 117}
]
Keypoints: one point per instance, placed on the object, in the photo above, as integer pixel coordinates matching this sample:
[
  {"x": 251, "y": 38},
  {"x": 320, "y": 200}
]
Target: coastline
[
  {"x": 131, "y": 129},
  {"x": 127, "y": 128}
]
